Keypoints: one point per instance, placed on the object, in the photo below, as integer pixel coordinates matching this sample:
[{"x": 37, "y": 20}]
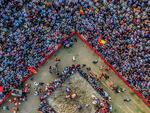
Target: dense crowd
[
  {"x": 31, "y": 29},
  {"x": 29, "y": 32},
  {"x": 125, "y": 29}
]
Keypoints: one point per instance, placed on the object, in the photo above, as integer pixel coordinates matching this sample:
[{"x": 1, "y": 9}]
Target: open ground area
[{"x": 83, "y": 56}]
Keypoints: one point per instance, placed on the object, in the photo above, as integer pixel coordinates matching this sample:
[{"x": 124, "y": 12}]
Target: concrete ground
[{"x": 84, "y": 56}]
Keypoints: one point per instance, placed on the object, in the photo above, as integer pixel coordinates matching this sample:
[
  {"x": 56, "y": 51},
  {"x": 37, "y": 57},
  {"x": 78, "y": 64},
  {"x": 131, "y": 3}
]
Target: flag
[
  {"x": 1, "y": 88},
  {"x": 102, "y": 42},
  {"x": 81, "y": 12},
  {"x": 32, "y": 69}
]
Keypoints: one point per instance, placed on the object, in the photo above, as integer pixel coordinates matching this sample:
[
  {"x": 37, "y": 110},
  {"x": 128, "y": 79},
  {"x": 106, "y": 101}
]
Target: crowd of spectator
[
  {"x": 31, "y": 29},
  {"x": 124, "y": 26}
]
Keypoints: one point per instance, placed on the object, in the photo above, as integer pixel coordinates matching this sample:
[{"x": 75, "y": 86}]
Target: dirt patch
[{"x": 84, "y": 93}]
